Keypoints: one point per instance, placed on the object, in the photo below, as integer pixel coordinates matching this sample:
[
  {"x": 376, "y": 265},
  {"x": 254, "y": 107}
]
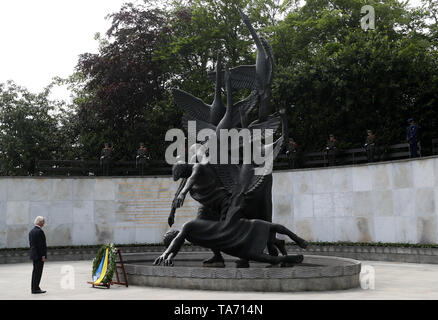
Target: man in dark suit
[{"x": 38, "y": 253}]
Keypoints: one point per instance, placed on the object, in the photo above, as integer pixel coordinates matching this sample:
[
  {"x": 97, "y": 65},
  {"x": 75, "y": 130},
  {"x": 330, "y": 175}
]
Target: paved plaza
[{"x": 68, "y": 281}]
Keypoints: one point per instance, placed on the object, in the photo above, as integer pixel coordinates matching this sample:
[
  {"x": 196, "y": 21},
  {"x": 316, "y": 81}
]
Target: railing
[
  {"x": 345, "y": 157},
  {"x": 160, "y": 167},
  {"x": 94, "y": 168}
]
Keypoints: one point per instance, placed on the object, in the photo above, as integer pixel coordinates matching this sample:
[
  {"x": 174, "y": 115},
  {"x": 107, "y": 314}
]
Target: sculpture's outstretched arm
[
  {"x": 189, "y": 185},
  {"x": 167, "y": 256},
  {"x": 171, "y": 218}
]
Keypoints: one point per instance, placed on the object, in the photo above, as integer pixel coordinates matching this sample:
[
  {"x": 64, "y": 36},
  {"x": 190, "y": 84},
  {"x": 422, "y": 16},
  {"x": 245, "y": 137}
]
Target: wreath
[{"x": 111, "y": 262}]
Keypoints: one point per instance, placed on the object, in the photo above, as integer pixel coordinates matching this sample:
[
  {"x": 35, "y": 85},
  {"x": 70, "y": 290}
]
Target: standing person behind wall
[
  {"x": 412, "y": 138},
  {"x": 291, "y": 152},
  {"x": 332, "y": 150},
  {"x": 142, "y": 158},
  {"x": 370, "y": 145},
  {"x": 105, "y": 159}
]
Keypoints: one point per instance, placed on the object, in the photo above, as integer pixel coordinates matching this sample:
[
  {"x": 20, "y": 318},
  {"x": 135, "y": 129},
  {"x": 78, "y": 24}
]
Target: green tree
[
  {"x": 122, "y": 93},
  {"x": 340, "y": 78},
  {"x": 30, "y": 129},
  {"x": 120, "y": 90},
  {"x": 343, "y": 80},
  {"x": 199, "y": 29}
]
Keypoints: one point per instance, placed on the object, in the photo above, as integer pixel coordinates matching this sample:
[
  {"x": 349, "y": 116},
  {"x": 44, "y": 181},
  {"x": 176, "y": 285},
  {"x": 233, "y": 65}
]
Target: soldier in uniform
[
  {"x": 332, "y": 149},
  {"x": 370, "y": 145},
  {"x": 105, "y": 158},
  {"x": 142, "y": 158},
  {"x": 291, "y": 152},
  {"x": 412, "y": 137}
]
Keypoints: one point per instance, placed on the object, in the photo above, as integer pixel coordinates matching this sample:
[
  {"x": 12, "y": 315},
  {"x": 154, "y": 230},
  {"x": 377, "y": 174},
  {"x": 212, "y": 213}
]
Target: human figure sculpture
[
  {"x": 235, "y": 235},
  {"x": 202, "y": 182}
]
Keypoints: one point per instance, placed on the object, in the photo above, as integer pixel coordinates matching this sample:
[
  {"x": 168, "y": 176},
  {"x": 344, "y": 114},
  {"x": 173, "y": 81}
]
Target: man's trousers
[{"x": 36, "y": 274}]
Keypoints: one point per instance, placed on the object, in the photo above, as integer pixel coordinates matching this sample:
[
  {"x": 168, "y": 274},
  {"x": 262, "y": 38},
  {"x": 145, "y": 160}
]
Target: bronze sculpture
[
  {"x": 257, "y": 77},
  {"x": 235, "y": 215},
  {"x": 236, "y": 235}
]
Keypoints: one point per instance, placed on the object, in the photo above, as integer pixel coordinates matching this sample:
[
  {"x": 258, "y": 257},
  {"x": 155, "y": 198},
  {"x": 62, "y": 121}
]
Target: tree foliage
[
  {"x": 123, "y": 99},
  {"x": 343, "y": 80},
  {"x": 30, "y": 129}
]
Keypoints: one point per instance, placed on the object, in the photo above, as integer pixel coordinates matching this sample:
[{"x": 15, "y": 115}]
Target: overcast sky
[{"x": 41, "y": 39}]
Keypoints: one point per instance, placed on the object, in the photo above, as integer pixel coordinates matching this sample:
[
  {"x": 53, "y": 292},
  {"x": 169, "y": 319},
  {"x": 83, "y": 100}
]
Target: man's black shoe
[{"x": 39, "y": 291}]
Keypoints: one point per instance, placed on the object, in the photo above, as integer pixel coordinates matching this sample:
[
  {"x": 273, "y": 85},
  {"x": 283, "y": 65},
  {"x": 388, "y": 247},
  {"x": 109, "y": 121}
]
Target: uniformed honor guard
[
  {"x": 412, "y": 137},
  {"x": 370, "y": 145},
  {"x": 142, "y": 158},
  {"x": 291, "y": 152},
  {"x": 105, "y": 159},
  {"x": 332, "y": 150}
]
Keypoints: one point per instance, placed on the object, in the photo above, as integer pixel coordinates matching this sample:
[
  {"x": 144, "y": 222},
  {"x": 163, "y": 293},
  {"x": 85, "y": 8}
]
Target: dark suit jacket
[{"x": 37, "y": 243}]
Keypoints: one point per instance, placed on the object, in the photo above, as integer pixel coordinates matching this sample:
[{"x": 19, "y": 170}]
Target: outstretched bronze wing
[
  {"x": 242, "y": 109},
  {"x": 229, "y": 174},
  {"x": 192, "y": 105},
  {"x": 242, "y": 77},
  {"x": 272, "y": 123},
  {"x": 258, "y": 180},
  {"x": 258, "y": 131},
  {"x": 200, "y": 124}
]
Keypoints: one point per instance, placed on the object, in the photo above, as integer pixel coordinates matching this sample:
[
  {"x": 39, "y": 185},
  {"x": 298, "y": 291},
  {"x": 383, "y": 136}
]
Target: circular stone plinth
[{"x": 316, "y": 273}]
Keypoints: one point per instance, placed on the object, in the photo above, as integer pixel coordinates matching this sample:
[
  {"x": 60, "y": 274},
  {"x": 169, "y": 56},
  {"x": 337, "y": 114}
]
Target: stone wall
[
  {"x": 88, "y": 211},
  {"x": 386, "y": 202},
  {"x": 382, "y": 202}
]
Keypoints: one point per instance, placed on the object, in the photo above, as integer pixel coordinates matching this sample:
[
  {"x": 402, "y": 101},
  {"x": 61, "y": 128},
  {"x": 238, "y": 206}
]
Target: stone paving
[{"x": 68, "y": 281}]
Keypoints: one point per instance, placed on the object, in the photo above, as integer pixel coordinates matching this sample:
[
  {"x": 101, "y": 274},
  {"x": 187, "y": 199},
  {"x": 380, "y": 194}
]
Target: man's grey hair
[{"x": 38, "y": 220}]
